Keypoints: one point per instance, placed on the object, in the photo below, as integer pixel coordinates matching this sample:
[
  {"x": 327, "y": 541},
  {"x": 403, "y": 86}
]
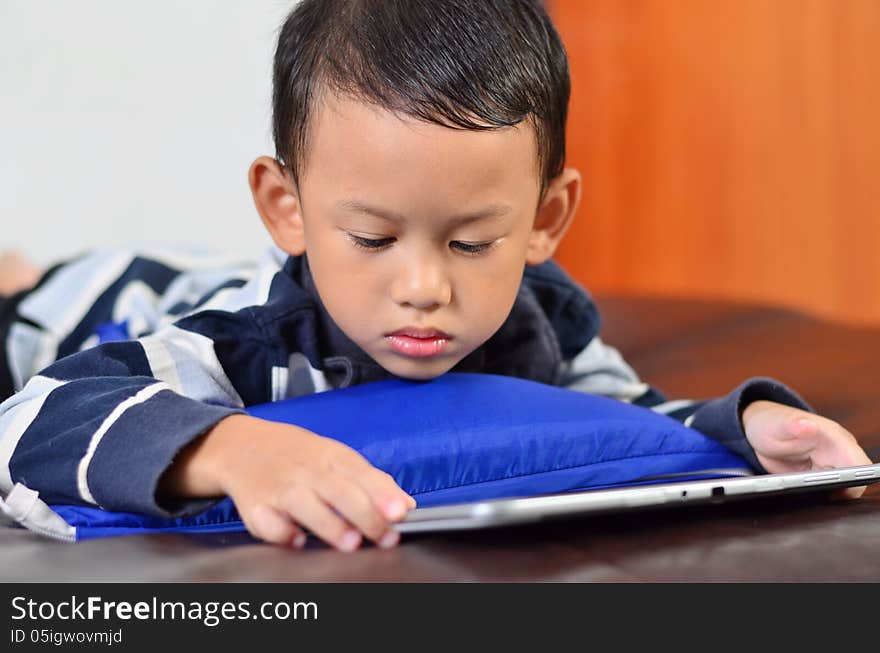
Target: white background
[{"x": 133, "y": 122}]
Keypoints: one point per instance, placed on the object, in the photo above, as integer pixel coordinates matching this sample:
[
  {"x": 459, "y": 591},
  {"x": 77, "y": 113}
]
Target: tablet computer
[{"x": 521, "y": 510}]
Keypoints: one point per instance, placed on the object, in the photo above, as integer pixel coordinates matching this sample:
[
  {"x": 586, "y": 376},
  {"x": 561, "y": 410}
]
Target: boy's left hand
[{"x": 788, "y": 439}]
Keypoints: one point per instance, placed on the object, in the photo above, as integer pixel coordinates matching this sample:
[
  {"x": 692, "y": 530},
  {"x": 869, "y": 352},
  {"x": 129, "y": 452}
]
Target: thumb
[{"x": 784, "y": 441}]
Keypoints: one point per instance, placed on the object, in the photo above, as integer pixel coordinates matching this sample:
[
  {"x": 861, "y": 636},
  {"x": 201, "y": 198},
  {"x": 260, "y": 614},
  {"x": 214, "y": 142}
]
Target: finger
[
  {"x": 799, "y": 439},
  {"x": 387, "y": 495},
  {"x": 848, "y": 493},
  {"x": 271, "y": 526},
  {"x": 785, "y": 442},
  {"x": 381, "y": 488},
  {"x": 309, "y": 510},
  {"x": 802, "y": 428},
  {"x": 839, "y": 448},
  {"x": 353, "y": 503}
]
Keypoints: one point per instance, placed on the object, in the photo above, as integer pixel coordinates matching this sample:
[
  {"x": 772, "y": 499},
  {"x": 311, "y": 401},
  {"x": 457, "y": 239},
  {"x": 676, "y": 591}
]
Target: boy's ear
[
  {"x": 277, "y": 201},
  {"x": 554, "y": 216}
]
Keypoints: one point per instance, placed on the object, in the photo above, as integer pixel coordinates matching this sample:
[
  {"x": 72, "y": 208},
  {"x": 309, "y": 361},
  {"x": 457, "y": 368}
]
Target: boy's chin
[{"x": 418, "y": 369}]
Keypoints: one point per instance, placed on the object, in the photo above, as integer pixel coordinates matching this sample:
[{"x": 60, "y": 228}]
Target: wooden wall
[{"x": 730, "y": 148}]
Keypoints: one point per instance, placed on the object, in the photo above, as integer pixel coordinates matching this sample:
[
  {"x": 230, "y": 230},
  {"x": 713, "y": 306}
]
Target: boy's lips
[
  {"x": 420, "y": 332},
  {"x": 418, "y": 342}
]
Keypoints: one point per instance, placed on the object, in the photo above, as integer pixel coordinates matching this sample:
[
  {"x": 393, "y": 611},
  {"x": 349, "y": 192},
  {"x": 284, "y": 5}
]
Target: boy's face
[{"x": 411, "y": 227}]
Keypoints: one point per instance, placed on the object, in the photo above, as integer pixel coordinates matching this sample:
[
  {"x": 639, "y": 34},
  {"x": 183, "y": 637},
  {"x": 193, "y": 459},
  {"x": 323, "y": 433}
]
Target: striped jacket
[{"x": 98, "y": 424}]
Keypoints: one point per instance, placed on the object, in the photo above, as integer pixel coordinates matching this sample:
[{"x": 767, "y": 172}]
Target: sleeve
[
  {"x": 133, "y": 292},
  {"x": 600, "y": 369},
  {"x": 101, "y": 426}
]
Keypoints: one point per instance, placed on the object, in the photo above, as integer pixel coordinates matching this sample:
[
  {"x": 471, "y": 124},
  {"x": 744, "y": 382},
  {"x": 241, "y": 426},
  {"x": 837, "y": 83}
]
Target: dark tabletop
[{"x": 687, "y": 348}]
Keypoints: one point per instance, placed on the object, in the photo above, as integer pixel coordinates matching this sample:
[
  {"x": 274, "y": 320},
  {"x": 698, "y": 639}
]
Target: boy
[{"x": 417, "y": 197}]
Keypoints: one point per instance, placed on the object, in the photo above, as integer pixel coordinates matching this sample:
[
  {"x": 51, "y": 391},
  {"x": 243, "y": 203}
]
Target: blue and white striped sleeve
[
  {"x": 101, "y": 426},
  {"x": 139, "y": 291},
  {"x": 600, "y": 369}
]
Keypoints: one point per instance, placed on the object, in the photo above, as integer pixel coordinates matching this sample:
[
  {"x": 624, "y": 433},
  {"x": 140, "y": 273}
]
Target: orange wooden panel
[{"x": 730, "y": 148}]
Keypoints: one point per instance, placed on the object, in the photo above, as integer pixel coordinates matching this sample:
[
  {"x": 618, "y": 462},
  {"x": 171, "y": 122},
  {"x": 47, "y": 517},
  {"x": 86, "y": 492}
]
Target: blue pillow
[{"x": 466, "y": 437}]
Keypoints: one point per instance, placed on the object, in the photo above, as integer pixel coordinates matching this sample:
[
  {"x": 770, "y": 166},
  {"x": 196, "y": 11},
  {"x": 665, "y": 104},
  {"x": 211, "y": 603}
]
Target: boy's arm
[
  {"x": 100, "y": 427},
  {"x": 600, "y": 369},
  {"x": 154, "y": 426}
]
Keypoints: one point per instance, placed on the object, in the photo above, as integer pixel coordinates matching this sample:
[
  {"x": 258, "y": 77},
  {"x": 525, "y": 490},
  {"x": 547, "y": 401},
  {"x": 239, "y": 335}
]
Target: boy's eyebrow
[{"x": 492, "y": 211}]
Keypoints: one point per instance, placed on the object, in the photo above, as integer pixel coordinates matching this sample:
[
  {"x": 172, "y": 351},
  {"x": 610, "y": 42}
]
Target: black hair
[{"x": 464, "y": 64}]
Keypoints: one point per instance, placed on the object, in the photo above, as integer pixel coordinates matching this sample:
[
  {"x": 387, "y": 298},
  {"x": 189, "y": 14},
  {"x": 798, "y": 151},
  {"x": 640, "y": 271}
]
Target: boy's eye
[
  {"x": 471, "y": 248},
  {"x": 374, "y": 244},
  {"x": 370, "y": 243}
]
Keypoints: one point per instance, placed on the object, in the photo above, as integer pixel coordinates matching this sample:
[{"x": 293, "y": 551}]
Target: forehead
[{"x": 357, "y": 150}]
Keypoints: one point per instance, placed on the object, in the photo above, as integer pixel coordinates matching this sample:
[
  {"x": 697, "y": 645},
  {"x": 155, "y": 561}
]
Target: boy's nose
[{"x": 422, "y": 285}]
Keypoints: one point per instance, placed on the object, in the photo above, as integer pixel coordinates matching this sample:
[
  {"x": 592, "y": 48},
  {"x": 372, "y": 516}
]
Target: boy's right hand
[{"x": 282, "y": 477}]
